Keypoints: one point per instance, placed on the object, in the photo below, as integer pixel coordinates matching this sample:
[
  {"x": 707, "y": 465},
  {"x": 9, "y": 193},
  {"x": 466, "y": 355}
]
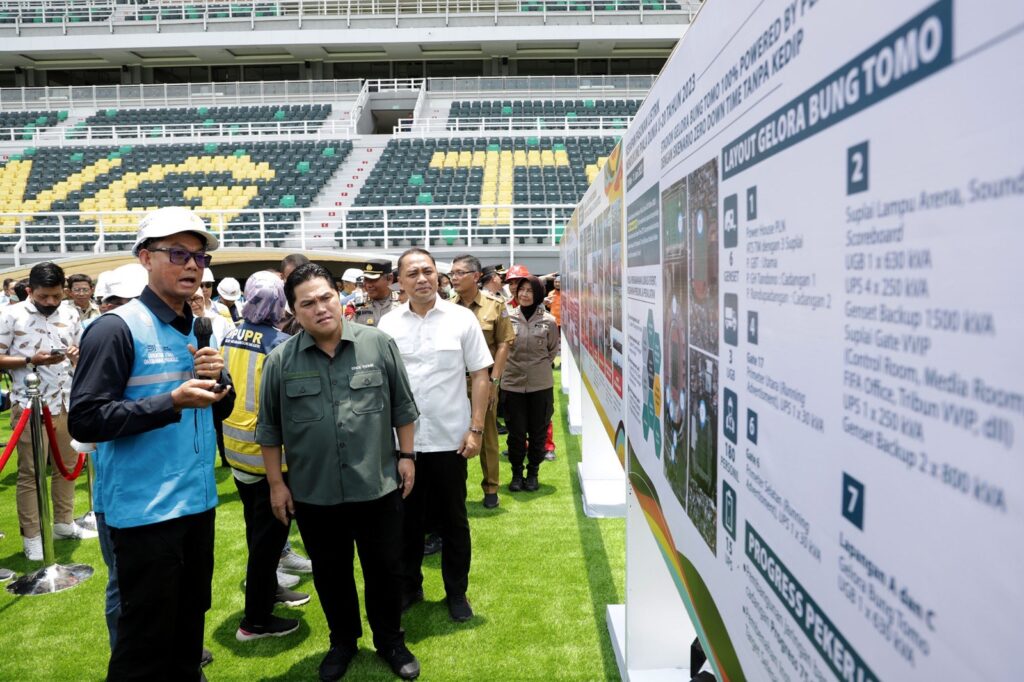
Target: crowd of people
[{"x": 348, "y": 405}]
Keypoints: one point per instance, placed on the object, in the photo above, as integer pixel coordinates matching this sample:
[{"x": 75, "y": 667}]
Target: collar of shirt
[
  {"x": 477, "y": 302},
  {"x": 165, "y": 313},
  {"x": 306, "y": 341},
  {"x": 440, "y": 307}
]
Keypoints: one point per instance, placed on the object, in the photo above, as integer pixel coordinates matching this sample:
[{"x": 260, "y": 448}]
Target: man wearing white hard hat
[
  {"x": 116, "y": 287},
  {"x": 350, "y": 287},
  {"x": 210, "y": 304},
  {"x": 230, "y": 292},
  {"x": 147, "y": 394}
]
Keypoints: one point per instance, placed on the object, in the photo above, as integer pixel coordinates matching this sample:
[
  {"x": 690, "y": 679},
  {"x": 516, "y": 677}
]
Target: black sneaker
[
  {"x": 502, "y": 429},
  {"x": 401, "y": 661},
  {"x": 206, "y": 659},
  {"x": 531, "y": 484},
  {"x": 432, "y": 545},
  {"x": 410, "y": 599},
  {"x": 459, "y": 609},
  {"x": 274, "y": 627},
  {"x": 336, "y": 662},
  {"x": 490, "y": 500},
  {"x": 290, "y": 597},
  {"x": 516, "y": 485}
]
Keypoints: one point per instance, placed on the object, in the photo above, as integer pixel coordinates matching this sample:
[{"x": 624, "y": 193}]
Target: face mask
[
  {"x": 45, "y": 310},
  {"x": 446, "y": 290}
]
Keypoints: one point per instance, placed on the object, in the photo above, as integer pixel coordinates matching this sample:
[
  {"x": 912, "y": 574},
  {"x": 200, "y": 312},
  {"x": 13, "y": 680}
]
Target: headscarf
[
  {"x": 538, "y": 295},
  {"x": 264, "y": 299}
]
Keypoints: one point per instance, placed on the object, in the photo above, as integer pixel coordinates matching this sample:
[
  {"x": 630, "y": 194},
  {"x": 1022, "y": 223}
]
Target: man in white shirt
[
  {"x": 440, "y": 342},
  {"x": 41, "y": 335}
]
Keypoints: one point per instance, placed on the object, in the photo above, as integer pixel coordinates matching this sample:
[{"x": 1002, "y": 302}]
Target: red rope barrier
[
  {"x": 51, "y": 434},
  {"x": 15, "y": 435}
]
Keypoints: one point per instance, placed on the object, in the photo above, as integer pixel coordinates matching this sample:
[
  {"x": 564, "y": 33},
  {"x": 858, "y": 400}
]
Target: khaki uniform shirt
[
  {"x": 336, "y": 416},
  {"x": 493, "y": 317},
  {"x": 370, "y": 311},
  {"x": 535, "y": 348}
]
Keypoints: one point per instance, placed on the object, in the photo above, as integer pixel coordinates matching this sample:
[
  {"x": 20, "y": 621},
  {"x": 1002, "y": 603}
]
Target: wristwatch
[
  {"x": 478, "y": 432},
  {"x": 407, "y": 455}
]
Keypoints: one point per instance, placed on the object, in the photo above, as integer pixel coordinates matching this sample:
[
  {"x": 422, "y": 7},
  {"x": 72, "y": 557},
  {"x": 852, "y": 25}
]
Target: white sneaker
[
  {"x": 287, "y": 580},
  {"x": 72, "y": 531},
  {"x": 33, "y": 548},
  {"x": 294, "y": 562}
]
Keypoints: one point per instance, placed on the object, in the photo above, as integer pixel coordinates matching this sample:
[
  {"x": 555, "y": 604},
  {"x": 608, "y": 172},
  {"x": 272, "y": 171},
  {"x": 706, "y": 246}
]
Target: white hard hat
[
  {"x": 207, "y": 275},
  {"x": 229, "y": 289},
  {"x": 103, "y": 284},
  {"x": 127, "y": 281},
  {"x": 352, "y": 275},
  {"x": 169, "y": 220}
]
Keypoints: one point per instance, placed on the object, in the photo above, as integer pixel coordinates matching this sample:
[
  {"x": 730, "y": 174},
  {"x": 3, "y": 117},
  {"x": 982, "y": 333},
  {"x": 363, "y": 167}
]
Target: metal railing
[
  {"x": 504, "y": 226},
  {"x": 314, "y": 91},
  {"x": 180, "y": 94},
  {"x": 394, "y": 84},
  {"x": 511, "y": 124},
  {"x": 160, "y": 132},
  {"x": 547, "y": 86}
]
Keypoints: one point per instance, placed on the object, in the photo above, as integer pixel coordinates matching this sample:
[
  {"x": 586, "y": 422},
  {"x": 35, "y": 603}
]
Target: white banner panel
[
  {"x": 825, "y": 393},
  {"x": 597, "y": 222}
]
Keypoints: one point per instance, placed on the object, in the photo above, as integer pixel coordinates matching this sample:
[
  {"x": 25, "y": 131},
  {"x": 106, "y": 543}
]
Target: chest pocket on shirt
[
  {"x": 365, "y": 392},
  {"x": 449, "y": 354},
  {"x": 304, "y": 404}
]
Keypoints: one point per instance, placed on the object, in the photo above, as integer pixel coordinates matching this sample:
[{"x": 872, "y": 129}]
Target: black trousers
[
  {"x": 440, "y": 497},
  {"x": 375, "y": 527},
  {"x": 265, "y": 537},
  {"x": 527, "y": 416},
  {"x": 164, "y": 572}
]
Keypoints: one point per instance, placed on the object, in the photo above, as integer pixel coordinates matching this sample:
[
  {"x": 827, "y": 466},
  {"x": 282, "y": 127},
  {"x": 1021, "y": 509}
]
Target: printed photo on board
[
  {"x": 702, "y": 485},
  {"x": 674, "y": 316},
  {"x": 702, "y": 214}
]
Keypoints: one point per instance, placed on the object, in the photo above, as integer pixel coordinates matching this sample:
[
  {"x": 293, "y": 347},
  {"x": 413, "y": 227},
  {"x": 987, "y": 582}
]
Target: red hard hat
[{"x": 517, "y": 272}]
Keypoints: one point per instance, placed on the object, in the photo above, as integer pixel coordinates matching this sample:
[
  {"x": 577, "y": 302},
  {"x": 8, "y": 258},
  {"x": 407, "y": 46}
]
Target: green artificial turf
[{"x": 542, "y": 576}]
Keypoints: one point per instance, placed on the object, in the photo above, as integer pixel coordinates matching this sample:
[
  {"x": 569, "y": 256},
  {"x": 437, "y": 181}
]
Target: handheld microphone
[{"x": 202, "y": 327}]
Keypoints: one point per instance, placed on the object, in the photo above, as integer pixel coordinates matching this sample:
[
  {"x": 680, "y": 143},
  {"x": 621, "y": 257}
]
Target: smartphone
[{"x": 58, "y": 352}]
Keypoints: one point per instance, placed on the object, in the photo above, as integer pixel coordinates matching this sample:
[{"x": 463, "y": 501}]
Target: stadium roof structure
[{"x": 112, "y": 33}]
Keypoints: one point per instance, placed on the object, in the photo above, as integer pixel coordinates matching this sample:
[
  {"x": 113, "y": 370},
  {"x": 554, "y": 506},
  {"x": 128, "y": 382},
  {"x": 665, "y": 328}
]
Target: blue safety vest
[{"x": 165, "y": 473}]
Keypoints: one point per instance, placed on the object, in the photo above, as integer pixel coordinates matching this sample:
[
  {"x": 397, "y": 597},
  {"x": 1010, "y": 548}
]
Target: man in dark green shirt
[{"x": 333, "y": 397}]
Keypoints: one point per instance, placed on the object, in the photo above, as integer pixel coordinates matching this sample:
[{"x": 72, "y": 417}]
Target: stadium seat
[{"x": 110, "y": 186}]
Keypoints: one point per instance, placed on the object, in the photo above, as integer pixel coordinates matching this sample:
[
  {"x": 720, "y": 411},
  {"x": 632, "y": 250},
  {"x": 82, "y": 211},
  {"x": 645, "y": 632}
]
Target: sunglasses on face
[{"x": 179, "y": 256}]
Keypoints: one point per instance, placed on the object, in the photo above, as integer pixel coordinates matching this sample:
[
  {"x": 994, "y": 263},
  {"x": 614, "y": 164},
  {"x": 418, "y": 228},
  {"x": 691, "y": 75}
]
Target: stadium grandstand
[{"x": 349, "y": 128}]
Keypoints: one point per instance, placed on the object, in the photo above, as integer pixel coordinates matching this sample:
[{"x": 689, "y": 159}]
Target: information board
[
  {"x": 823, "y": 332},
  {"x": 599, "y": 325}
]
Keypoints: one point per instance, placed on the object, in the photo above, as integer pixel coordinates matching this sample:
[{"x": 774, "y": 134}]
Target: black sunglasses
[{"x": 179, "y": 256}]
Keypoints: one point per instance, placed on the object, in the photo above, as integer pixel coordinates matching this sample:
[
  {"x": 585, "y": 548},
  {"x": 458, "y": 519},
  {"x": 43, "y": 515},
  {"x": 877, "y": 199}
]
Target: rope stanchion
[
  {"x": 15, "y": 435},
  {"x": 52, "y": 577},
  {"x": 58, "y": 461}
]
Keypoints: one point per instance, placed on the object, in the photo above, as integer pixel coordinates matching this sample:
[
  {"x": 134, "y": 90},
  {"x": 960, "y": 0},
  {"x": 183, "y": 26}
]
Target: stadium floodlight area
[{"x": 204, "y": 14}]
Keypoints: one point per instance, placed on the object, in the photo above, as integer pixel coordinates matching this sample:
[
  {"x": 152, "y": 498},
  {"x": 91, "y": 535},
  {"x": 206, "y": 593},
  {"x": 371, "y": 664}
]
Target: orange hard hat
[{"x": 517, "y": 272}]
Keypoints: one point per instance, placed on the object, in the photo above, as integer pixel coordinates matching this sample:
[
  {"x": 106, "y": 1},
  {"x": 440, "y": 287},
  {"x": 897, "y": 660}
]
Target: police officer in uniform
[
  {"x": 377, "y": 278},
  {"x": 493, "y": 317}
]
